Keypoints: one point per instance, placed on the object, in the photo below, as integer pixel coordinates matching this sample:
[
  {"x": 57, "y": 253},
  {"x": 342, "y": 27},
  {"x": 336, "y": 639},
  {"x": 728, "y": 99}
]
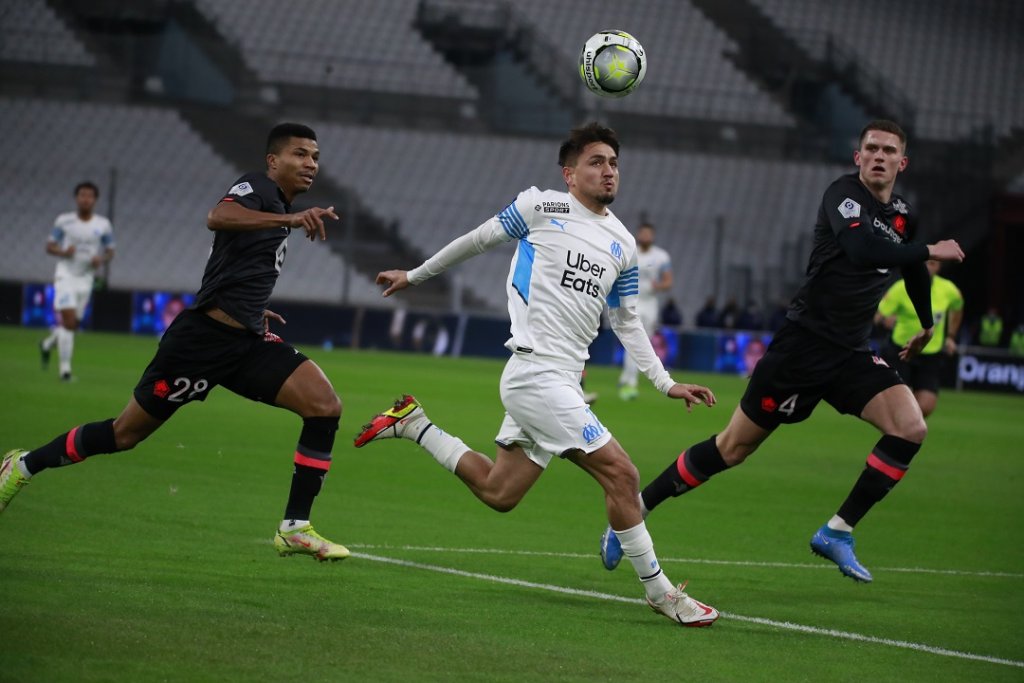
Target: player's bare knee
[
  {"x": 915, "y": 430},
  {"x": 502, "y": 501},
  {"x": 324, "y": 404},
  {"x": 127, "y": 439}
]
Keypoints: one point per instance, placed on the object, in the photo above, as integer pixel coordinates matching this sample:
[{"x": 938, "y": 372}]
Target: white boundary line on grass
[
  {"x": 689, "y": 560},
  {"x": 833, "y": 633}
]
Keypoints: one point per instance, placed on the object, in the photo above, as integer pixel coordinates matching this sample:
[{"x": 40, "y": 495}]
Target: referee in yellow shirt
[{"x": 897, "y": 314}]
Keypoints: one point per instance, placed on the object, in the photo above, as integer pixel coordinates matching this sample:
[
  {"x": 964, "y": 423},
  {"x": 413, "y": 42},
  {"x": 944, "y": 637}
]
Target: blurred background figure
[
  {"x": 655, "y": 277},
  {"x": 896, "y": 313}
]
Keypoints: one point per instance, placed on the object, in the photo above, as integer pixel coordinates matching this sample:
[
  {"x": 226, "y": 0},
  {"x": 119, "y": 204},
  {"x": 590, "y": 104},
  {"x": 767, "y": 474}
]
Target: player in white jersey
[
  {"x": 82, "y": 241},
  {"x": 655, "y": 271},
  {"x": 573, "y": 258}
]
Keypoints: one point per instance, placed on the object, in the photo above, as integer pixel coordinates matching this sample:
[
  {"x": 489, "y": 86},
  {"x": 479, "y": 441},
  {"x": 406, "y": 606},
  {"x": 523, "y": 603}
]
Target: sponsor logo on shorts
[
  {"x": 849, "y": 208},
  {"x": 768, "y": 404},
  {"x": 161, "y": 389}
]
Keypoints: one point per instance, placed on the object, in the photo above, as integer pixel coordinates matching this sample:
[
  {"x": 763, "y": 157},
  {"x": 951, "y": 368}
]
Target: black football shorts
[
  {"x": 922, "y": 372},
  {"x": 800, "y": 369},
  {"x": 198, "y": 353}
]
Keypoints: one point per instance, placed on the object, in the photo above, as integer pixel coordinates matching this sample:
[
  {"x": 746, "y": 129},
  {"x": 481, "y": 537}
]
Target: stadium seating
[
  {"x": 31, "y": 32},
  {"x": 167, "y": 178},
  {"x": 688, "y": 74},
  {"x": 438, "y": 185},
  {"x": 955, "y": 60},
  {"x": 337, "y": 43}
]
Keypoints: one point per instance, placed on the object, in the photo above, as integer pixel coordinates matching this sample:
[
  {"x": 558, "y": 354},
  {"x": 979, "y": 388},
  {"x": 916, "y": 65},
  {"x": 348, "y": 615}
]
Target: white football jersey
[
  {"x": 90, "y": 238},
  {"x": 653, "y": 264},
  {"x": 570, "y": 262}
]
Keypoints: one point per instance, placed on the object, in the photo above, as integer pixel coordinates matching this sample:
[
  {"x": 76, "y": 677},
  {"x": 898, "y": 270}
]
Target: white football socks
[
  {"x": 639, "y": 548},
  {"x": 292, "y": 524},
  {"x": 51, "y": 339},
  {"x": 643, "y": 508},
  {"x": 837, "y": 523},
  {"x": 20, "y": 464},
  {"x": 65, "y": 346},
  {"x": 445, "y": 448}
]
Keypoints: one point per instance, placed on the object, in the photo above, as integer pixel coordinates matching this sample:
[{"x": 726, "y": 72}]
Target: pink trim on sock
[
  {"x": 888, "y": 470},
  {"x": 69, "y": 446},
  {"x": 301, "y": 459},
  {"x": 691, "y": 481}
]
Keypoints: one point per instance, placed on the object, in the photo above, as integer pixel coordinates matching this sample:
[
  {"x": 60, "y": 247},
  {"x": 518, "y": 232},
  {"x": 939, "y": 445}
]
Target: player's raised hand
[
  {"x": 915, "y": 344},
  {"x": 693, "y": 394},
  {"x": 312, "y": 221},
  {"x": 394, "y": 279},
  {"x": 946, "y": 250}
]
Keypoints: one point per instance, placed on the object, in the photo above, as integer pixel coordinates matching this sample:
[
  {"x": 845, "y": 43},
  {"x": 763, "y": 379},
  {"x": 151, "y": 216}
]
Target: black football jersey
[
  {"x": 839, "y": 298},
  {"x": 243, "y": 266}
]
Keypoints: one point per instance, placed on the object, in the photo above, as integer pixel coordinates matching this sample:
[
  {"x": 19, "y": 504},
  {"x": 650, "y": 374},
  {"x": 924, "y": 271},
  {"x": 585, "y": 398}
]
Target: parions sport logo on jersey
[
  {"x": 552, "y": 207},
  {"x": 575, "y": 277}
]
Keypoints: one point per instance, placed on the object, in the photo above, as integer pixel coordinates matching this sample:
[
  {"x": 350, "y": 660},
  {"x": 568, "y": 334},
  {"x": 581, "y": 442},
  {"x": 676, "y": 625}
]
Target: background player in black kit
[
  {"x": 225, "y": 339},
  {"x": 863, "y": 230}
]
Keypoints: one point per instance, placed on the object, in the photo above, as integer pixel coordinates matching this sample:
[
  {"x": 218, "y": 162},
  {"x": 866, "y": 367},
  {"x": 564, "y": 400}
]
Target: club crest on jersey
[
  {"x": 616, "y": 249},
  {"x": 241, "y": 189},
  {"x": 849, "y": 208}
]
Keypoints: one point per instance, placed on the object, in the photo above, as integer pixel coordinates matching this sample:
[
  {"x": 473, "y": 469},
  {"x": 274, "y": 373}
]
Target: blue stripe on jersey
[
  {"x": 613, "y": 298},
  {"x": 513, "y": 223},
  {"x": 635, "y": 270},
  {"x": 524, "y": 270},
  {"x": 58, "y": 234},
  {"x": 106, "y": 239}
]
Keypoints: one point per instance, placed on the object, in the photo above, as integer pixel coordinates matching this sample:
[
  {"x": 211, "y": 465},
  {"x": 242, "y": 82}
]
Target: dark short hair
[
  {"x": 282, "y": 132},
  {"x": 646, "y": 224},
  {"x": 86, "y": 185},
  {"x": 886, "y": 126},
  {"x": 583, "y": 136}
]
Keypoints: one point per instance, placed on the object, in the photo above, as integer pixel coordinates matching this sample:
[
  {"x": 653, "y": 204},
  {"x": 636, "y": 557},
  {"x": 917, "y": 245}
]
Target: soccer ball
[{"x": 612, "y": 63}]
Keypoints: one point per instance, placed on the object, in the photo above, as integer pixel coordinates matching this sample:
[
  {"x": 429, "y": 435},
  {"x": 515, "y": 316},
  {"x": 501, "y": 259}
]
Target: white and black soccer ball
[{"x": 612, "y": 63}]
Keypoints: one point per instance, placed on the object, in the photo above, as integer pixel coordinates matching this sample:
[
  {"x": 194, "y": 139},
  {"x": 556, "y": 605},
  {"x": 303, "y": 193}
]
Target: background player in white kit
[
  {"x": 82, "y": 241},
  {"x": 573, "y": 257},
  {"x": 655, "y": 270}
]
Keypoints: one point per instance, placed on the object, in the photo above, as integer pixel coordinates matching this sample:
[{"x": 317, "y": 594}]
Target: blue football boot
[
  {"x": 838, "y": 547},
  {"x": 611, "y": 549}
]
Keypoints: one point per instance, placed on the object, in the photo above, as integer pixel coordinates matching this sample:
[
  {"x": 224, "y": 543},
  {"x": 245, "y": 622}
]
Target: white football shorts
[
  {"x": 545, "y": 412},
  {"x": 72, "y": 293}
]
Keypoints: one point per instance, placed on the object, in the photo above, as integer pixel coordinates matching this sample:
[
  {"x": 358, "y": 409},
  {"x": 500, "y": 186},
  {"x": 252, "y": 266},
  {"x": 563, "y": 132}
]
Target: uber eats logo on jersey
[{"x": 575, "y": 276}]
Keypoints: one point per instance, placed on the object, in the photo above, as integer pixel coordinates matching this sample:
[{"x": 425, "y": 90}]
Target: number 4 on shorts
[{"x": 789, "y": 405}]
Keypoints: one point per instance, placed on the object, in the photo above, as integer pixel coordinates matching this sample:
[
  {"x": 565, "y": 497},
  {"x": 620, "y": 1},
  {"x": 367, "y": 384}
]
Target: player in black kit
[
  {"x": 862, "y": 232},
  {"x": 225, "y": 339}
]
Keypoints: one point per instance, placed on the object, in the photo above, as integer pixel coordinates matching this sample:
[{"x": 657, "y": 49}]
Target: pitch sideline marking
[
  {"x": 690, "y": 560},
  {"x": 786, "y": 625}
]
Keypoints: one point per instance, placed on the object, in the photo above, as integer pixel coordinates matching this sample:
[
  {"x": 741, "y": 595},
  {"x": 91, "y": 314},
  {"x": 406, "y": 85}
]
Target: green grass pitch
[{"x": 156, "y": 565}]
